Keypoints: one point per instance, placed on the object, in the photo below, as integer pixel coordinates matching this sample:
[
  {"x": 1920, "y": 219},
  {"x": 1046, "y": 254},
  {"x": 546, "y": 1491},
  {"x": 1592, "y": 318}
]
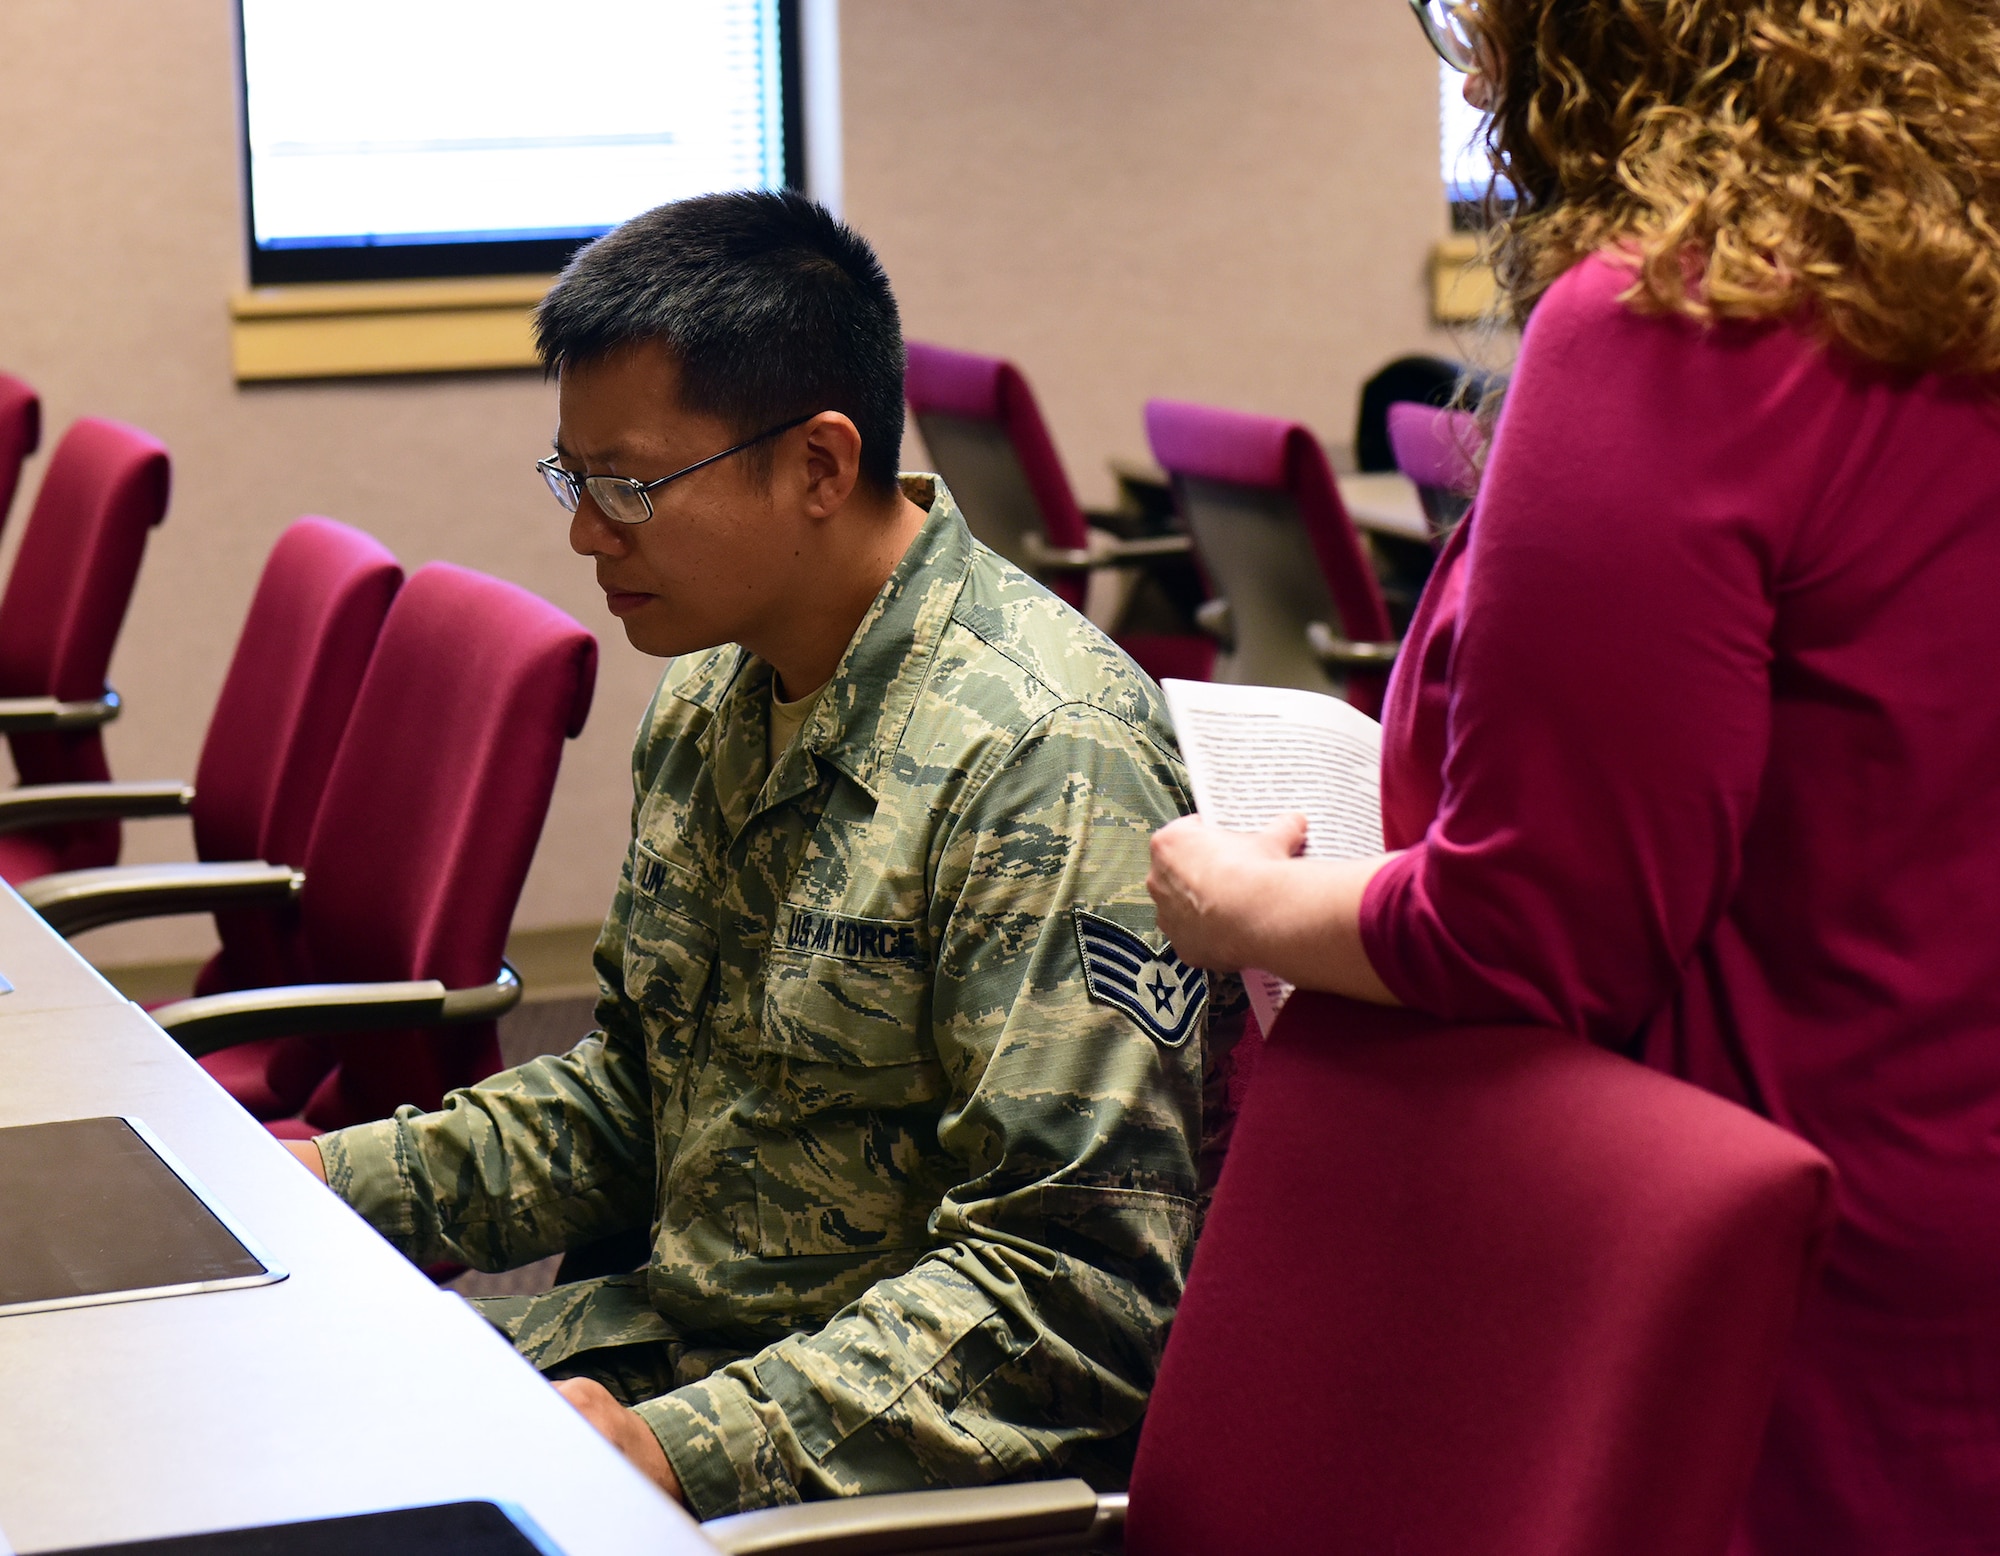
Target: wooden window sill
[
  {"x": 359, "y": 329},
  {"x": 1463, "y": 290}
]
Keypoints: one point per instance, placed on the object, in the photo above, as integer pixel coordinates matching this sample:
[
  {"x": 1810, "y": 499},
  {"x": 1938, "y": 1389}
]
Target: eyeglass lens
[
  {"x": 1449, "y": 26},
  {"x": 618, "y": 500},
  {"x": 561, "y": 485}
]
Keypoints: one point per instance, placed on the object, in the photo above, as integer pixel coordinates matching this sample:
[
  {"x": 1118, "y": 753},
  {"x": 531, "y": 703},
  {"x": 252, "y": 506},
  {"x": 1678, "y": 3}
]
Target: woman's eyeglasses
[
  {"x": 1448, "y": 25},
  {"x": 626, "y": 501}
]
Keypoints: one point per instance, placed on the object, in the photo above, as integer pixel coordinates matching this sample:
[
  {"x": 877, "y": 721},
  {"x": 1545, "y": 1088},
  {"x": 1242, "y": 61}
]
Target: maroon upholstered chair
[
  {"x": 1477, "y": 1289},
  {"x": 422, "y": 841},
  {"x": 284, "y": 705},
  {"x": 1484, "y": 1289},
  {"x": 105, "y": 488},
  {"x": 1297, "y": 603},
  {"x": 1440, "y": 451},
  {"x": 20, "y": 435},
  {"x": 987, "y": 437}
]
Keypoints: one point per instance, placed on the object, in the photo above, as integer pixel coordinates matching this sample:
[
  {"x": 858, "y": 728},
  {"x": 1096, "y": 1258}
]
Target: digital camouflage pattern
[{"x": 921, "y": 1208}]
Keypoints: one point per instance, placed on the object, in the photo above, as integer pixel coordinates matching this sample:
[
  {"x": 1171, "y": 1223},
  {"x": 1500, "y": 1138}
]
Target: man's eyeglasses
[
  {"x": 626, "y": 501},
  {"x": 1448, "y": 25}
]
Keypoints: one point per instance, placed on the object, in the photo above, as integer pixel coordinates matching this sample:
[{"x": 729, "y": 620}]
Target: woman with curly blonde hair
[{"x": 1694, "y": 746}]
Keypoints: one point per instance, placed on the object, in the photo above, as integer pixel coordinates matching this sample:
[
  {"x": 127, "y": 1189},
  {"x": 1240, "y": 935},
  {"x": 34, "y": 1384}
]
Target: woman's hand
[
  {"x": 1213, "y": 888},
  {"x": 1231, "y": 900}
]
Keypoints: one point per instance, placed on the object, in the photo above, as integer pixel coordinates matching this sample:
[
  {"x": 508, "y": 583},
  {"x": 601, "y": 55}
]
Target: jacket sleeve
[
  {"x": 1025, "y": 1341},
  {"x": 539, "y": 1159},
  {"x": 533, "y": 1161},
  {"x": 1610, "y": 686}
]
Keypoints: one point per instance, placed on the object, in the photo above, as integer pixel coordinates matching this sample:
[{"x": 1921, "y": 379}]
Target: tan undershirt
[{"x": 787, "y": 718}]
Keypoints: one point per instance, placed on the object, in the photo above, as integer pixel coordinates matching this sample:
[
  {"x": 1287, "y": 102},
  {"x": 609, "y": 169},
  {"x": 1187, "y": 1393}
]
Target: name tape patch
[
  {"x": 1158, "y": 990},
  {"x": 851, "y": 939}
]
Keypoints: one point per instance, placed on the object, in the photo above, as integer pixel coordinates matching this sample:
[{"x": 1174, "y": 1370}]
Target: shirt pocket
[
  {"x": 847, "y": 1159},
  {"x": 669, "y": 951}
]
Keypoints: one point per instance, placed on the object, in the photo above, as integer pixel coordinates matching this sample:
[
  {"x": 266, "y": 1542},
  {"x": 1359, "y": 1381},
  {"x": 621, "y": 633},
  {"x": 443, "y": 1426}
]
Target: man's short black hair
[{"x": 770, "y": 306}]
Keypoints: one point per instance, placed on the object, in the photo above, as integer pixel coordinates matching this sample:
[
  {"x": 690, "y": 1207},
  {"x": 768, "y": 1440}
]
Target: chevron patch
[{"x": 1156, "y": 989}]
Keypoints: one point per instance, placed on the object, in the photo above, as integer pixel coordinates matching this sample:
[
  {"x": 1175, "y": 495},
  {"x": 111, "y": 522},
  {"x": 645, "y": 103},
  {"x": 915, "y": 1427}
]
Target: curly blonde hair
[{"x": 1832, "y": 160}]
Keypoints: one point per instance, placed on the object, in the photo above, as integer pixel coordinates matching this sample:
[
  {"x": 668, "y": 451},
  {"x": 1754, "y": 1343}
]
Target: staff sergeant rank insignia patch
[{"x": 1155, "y": 988}]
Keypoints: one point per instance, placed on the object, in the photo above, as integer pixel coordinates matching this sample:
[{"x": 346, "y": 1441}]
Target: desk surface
[
  {"x": 355, "y": 1384},
  {"x": 44, "y": 972},
  {"x": 1386, "y": 503}
]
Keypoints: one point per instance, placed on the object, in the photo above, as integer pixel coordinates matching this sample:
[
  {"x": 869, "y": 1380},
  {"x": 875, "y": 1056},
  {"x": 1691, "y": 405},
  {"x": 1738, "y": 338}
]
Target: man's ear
[{"x": 832, "y": 463}]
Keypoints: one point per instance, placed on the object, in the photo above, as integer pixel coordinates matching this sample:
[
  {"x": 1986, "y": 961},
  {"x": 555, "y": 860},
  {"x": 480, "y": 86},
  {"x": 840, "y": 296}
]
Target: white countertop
[{"x": 354, "y": 1384}]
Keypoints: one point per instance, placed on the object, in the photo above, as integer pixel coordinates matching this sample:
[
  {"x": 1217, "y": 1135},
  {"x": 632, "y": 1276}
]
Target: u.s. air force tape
[
  {"x": 1156, "y": 989},
  {"x": 850, "y": 939}
]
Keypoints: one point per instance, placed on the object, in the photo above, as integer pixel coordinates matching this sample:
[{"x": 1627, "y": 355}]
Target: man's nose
[{"x": 592, "y": 534}]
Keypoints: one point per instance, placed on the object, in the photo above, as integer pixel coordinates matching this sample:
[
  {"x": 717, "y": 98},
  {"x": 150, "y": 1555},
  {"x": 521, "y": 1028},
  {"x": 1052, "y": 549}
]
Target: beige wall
[{"x": 1226, "y": 201}]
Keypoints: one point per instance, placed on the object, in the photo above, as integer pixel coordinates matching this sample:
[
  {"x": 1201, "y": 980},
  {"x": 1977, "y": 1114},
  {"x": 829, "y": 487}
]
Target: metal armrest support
[
  {"x": 52, "y": 804},
  {"x": 218, "y": 1021},
  {"x": 72, "y": 901},
  {"x": 1337, "y": 652},
  {"x": 28, "y": 715},
  {"x": 1037, "y": 1516},
  {"x": 1213, "y": 617},
  {"x": 1107, "y": 552}
]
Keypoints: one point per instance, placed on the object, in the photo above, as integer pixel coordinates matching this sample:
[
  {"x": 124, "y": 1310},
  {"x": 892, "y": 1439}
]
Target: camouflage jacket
[{"x": 891, "y": 1062}]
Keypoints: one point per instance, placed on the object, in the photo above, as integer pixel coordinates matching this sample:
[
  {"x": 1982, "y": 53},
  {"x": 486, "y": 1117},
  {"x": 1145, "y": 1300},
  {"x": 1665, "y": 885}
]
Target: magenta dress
[{"x": 1695, "y": 750}]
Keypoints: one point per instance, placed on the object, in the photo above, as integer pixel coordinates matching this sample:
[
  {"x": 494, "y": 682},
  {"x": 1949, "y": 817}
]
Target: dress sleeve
[
  {"x": 1609, "y": 689},
  {"x": 1025, "y": 1342}
]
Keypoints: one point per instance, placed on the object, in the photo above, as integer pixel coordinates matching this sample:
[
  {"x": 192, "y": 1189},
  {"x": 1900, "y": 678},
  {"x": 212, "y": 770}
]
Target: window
[
  {"x": 389, "y": 139},
  {"x": 1462, "y": 140}
]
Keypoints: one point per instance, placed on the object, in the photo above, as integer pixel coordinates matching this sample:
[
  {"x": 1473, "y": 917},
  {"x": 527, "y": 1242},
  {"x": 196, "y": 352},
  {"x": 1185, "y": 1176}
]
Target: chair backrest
[
  {"x": 20, "y": 435},
  {"x": 1420, "y": 380},
  {"x": 1261, "y": 502},
  {"x": 283, "y": 708},
  {"x": 987, "y": 438},
  {"x": 1439, "y": 450},
  {"x": 105, "y": 488},
  {"x": 1476, "y": 1289},
  {"x": 430, "y": 817}
]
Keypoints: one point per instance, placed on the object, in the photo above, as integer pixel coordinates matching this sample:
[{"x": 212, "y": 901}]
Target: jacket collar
[{"x": 860, "y": 717}]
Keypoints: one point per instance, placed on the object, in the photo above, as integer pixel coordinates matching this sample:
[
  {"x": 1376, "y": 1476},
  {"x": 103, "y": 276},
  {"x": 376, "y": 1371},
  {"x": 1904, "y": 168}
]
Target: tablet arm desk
[
  {"x": 1036, "y": 1518},
  {"x": 72, "y": 901}
]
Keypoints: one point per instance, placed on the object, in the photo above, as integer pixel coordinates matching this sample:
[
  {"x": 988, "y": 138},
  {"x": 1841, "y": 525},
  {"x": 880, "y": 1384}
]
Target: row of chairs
[
  {"x": 1288, "y": 592},
  {"x": 370, "y": 790}
]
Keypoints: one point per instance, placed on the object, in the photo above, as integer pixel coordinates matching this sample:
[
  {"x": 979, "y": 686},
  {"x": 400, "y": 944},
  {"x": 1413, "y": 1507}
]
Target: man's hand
[
  {"x": 1213, "y": 888},
  {"x": 307, "y": 1151},
  {"x": 624, "y": 1430}
]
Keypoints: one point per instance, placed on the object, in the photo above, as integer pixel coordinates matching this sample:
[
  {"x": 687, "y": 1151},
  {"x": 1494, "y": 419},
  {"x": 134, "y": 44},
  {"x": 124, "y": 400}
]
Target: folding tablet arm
[
  {"x": 1049, "y": 1516},
  {"x": 32, "y": 715},
  {"x": 1333, "y": 651},
  {"x": 1339, "y": 653},
  {"x": 217, "y": 1021},
  {"x": 54, "y": 804},
  {"x": 1104, "y": 550},
  {"x": 72, "y": 901}
]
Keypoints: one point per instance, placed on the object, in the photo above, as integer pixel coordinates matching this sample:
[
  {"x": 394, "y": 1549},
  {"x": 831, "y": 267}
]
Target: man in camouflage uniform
[{"x": 891, "y": 1064}]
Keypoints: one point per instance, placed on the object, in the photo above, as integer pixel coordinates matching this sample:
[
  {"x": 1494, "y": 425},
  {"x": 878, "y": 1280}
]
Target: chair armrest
[
  {"x": 52, "y": 804},
  {"x": 1104, "y": 551},
  {"x": 1213, "y": 617},
  {"x": 217, "y": 1021},
  {"x": 30, "y": 715},
  {"x": 1036, "y": 1516},
  {"x": 72, "y": 901},
  {"x": 1337, "y": 652}
]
